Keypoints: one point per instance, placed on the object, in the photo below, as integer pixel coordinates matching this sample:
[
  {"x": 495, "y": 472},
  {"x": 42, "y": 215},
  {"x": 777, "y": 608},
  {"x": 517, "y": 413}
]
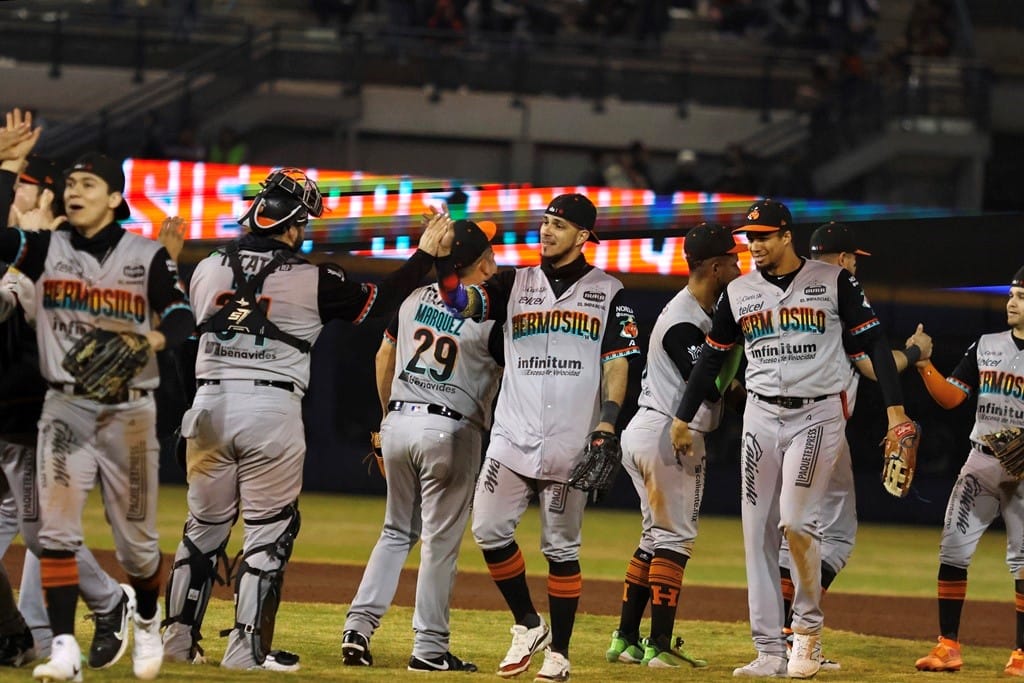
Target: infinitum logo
[{"x": 549, "y": 365}]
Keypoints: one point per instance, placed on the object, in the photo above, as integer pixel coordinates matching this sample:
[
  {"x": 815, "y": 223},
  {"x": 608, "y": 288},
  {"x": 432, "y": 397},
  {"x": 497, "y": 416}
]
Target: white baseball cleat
[
  {"x": 148, "y": 648},
  {"x": 765, "y": 666},
  {"x": 65, "y": 663},
  {"x": 555, "y": 667},
  {"x": 805, "y": 660},
  {"x": 526, "y": 642}
]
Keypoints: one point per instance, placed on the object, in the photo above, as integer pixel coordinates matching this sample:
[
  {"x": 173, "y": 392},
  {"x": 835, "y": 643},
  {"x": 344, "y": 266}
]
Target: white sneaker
[
  {"x": 526, "y": 642},
  {"x": 278, "y": 660},
  {"x": 65, "y": 662},
  {"x": 805, "y": 660},
  {"x": 555, "y": 668},
  {"x": 765, "y": 666},
  {"x": 148, "y": 648}
]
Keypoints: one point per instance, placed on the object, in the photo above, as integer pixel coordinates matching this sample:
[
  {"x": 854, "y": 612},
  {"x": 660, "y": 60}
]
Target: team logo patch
[
  {"x": 754, "y": 215},
  {"x": 629, "y": 327},
  {"x": 814, "y": 290},
  {"x": 594, "y": 296}
]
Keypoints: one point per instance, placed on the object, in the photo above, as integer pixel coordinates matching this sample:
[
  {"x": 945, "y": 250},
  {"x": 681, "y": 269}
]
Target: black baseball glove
[
  {"x": 104, "y": 362},
  {"x": 602, "y": 457}
]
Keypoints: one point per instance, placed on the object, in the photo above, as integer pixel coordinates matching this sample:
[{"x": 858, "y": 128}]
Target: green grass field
[{"x": 342, "y": 529}]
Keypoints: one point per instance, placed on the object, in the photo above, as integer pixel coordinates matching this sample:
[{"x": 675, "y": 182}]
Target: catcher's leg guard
[
  {"x": 260, "y": 576},
  {"x": 190, "y": 585}
]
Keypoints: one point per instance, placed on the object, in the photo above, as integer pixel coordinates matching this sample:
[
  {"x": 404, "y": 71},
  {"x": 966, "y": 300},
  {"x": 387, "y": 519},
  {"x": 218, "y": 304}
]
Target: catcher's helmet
[{"x": 288, "y": 198}]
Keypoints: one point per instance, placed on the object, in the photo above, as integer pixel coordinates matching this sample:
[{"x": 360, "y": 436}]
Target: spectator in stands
[
  {"x": 185, "y": 147},
  {"x": 445, "y": 16},
  {"x": 929, "y": 31},
  {"x": 229, "y": 148},
  {"x": 593, "y": 174},
  {"x": 737, "y": 178},
  {"x": 684, "y": 175},
  {"x": 630, "y": 169}
]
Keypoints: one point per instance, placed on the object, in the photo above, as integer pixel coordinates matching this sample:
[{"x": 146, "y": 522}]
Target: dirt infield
[{"x": 984, "y": 623}]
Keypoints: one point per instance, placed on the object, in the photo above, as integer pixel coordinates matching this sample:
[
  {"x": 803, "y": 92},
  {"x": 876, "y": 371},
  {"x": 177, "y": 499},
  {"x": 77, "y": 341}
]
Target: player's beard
[{"x": 552, "y": 261}]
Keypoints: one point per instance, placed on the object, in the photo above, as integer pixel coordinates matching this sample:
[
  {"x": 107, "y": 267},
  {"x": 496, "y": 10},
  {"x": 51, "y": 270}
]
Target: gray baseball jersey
[
  {"x": 550, "y": 398},
  {"x": 442, "y": 359},
  {"x": 994, "y": 368},
  {"x": 446, "y": 377}
]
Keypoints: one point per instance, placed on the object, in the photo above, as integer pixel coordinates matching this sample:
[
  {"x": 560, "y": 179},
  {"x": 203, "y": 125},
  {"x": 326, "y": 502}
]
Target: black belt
[
  {"x": 982, "y": 447},
  {"x": 432, "y": 408},
  {"x": 79, "y": 390},
  {"x": 789, "y": 402},
  {"x": 287, "y": 386}
]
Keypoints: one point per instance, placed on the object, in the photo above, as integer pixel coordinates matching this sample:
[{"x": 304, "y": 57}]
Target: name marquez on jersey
[
  {"x": 1000, "y": 383},
  {"x": 75, "y": 295},
  {"x": 439, "y": 320},
  {"x": 574, "y": 323}
]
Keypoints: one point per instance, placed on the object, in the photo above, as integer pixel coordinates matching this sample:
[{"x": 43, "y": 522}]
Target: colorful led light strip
[{"x": 379, "y": 215}]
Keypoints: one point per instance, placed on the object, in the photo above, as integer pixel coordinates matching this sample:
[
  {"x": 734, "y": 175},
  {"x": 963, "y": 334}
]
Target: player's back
[{"x": 288, "y": 297}]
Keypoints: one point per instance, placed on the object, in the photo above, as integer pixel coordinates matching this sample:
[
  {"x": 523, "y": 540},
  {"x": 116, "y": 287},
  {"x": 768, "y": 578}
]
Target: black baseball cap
[
  {"x": 41, "y": 171},
  {"x": 471, "y": 241},
  {"x": 835, "y": 238},
  {"x": 1018, "y": 278},
  {"x": 708, "y": 240},
  {"x": 766, "y": 215},
  {"x": 576, "y": 209},
  {"x": 110, "y": 171}
]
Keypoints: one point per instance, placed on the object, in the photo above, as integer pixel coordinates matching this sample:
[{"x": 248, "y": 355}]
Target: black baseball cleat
[
  {"x": 355, "y": 649},
  {"x": 446, "y": 662},
  {"x": 110, "y": 640},
  {"x": 17, "y": 649}
]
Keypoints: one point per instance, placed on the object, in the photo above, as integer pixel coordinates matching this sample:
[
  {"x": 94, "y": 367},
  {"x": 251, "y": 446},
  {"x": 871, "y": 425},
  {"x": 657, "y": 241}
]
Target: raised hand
[
  {"x": 437, "y": 235},
  {"x": 19, "y": 128},
  {"x": 172, "y": 235},
  {"x": 923, "y": 342}
]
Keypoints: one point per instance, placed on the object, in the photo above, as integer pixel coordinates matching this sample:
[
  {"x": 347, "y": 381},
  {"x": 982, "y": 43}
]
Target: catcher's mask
[{"x": 288, "y": 198}]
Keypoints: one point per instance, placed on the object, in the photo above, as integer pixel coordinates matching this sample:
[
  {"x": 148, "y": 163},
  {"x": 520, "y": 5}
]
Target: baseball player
[
  {"x": 835, "y": 243},
  {"x": 437, "y": 377},
  {"x": 261, "y": 309},
  {"x": 791, "y": 313},
  {"x": 994, "y": 368},
  {"x": 98, "y": 275},
  {"x": 24, "y": 389},
  {"x": 568, "y": 337},
  {"x": 670, "y": 487}
]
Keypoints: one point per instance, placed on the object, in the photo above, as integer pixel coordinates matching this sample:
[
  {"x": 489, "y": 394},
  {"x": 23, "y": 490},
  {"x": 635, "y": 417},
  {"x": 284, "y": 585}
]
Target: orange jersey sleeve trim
[
  {"x": 945, "y": 393},
  {"x": 718, "y": 347}
]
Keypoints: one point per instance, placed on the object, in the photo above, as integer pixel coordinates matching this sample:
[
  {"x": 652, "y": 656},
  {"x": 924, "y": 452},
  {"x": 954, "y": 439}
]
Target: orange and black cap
[
  {"x": 766, "y": 215},
  {"x": 470, "y": 242},
  {"x": 1018, "y": 278},
  {"x": 835, "y": 238}
]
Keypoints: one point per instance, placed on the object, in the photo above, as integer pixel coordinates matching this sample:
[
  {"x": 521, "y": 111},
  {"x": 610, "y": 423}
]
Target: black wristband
[
  {"x": 610, "y": 411},
  {"x": 913, "y": 354}
]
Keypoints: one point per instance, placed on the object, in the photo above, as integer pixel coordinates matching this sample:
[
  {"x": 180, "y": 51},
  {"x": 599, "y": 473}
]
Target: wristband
[
  {"x": 610, "y": 412},
  {"x": 913, "y": 354}
]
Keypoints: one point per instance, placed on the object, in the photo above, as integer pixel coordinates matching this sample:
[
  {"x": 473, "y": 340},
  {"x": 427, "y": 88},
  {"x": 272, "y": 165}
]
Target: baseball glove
[
  {"x": 376, "y": 453},
  {"x": 103, "y": 362},
  {"x": 602, "y": 457},
  {"x": 1008, "y": 446},
  {"x": 900, "y": 457}
]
